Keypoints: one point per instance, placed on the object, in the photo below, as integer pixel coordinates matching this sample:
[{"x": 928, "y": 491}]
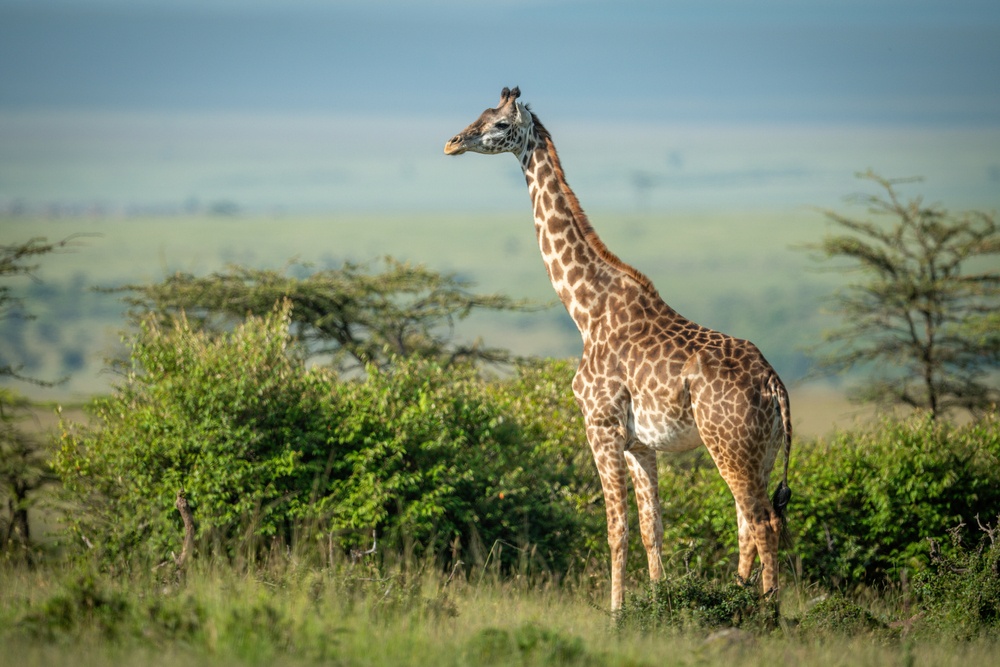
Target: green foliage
[
  {"x": 866, "y": 501},
  {"x": 529, "y": 644},
  {"x": 693, "y": 602},
  {"x": 83, "y": 605},
  {"x": 699, "y": 516},
  {"x": 432, "y": 459},
  {"x": 836, "y": 615},
  {"x": 354, "y": 315},
  {"x": 439, "y": 462},
  {"x": 539, "y": 399},
  {"x": 24, "y": 472},
  {"x": 960, "y": 592},
  {"x": 919, "y": 321},
  {"x": 225, "y": 419},
  {"x": 16, "y": 260}
]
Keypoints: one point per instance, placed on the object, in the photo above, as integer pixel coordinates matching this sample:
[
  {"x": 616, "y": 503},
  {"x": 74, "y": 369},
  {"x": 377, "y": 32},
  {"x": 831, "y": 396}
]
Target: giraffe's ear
[{"x": 522, "y": 112}]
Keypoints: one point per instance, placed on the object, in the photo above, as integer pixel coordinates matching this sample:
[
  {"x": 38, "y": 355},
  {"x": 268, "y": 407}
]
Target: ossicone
[{"x": 507, "y": 95}]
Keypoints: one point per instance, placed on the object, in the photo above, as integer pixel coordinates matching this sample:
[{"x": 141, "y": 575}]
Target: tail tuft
[{"x": 780, "y": 499}]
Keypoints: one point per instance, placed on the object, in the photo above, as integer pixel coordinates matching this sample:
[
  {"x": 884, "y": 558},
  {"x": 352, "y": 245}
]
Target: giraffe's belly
[{"x": 664, "y": 432}]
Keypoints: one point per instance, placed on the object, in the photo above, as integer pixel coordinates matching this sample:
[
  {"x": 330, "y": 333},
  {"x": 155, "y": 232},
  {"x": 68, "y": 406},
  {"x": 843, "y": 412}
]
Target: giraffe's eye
[{"x": 502, "y": 125}]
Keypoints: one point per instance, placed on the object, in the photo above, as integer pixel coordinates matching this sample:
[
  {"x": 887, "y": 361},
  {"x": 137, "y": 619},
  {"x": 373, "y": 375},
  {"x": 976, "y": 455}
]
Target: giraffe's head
[{"x": 499, "y": 130}]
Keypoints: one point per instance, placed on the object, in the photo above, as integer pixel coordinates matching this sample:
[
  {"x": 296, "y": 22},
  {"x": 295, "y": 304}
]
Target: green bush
[
  {"x": 836, "y": 615},
  {"x": 699, "y": 516},
  {"x": 228, "y": 419},
  {"x": 692, "y": 601},
  {"x": 866, "y": 501},
  {"x": 83, "y": 605},
  {"x": 529, "y": 644},
  {"x": 435, "y": 460},
  {"x": 439, "y": 462},
  {"x": 960, "y": 592}
]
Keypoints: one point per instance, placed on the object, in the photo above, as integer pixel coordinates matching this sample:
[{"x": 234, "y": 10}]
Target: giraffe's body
[{"x": 649, "y": 380}]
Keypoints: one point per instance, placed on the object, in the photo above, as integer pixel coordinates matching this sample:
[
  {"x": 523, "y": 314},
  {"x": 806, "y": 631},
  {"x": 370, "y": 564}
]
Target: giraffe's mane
[{"x": 590, "y": 236}]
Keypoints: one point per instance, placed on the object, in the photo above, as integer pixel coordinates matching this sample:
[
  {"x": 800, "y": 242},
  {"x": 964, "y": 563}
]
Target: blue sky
[
  {"x": 773, "y": 61},
  {"x": 327, "y": 105}
]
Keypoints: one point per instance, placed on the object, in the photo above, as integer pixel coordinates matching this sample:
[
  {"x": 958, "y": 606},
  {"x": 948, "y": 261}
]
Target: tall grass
[{"x": 289, "y": 611}]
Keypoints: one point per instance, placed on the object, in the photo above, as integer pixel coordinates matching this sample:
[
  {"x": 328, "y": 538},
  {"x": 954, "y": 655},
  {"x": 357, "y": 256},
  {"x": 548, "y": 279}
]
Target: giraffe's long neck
[{"x": 580, "y": 266}]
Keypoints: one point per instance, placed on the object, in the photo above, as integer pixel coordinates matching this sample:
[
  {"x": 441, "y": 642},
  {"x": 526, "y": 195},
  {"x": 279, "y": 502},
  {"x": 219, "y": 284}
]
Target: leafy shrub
[
  {"x": 83, "y": 605},
  {"x": 227, "y": 419},
  {"x": 960, "y": 592},
  {"x": 695, "y": 602},
  {"x": 866, "y": 501},
  {"x": 836, "y": 615},
  {"x": 699, "y": 516},
  {"x": 436, "y": 460},
  {"x": 440, "y": 462},
  {"x": 863, "y": 502},
  {"x": 540, "y": 398},
  {"x": 529, "y": 644}
]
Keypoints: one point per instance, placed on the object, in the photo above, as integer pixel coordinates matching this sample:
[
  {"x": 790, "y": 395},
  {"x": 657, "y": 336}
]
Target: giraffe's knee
[{"x": 617, "y": 531}]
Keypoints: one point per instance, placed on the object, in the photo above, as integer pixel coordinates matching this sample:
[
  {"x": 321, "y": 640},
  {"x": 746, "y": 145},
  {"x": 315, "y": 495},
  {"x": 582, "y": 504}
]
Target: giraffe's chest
[{"x": 671, "y": 429}]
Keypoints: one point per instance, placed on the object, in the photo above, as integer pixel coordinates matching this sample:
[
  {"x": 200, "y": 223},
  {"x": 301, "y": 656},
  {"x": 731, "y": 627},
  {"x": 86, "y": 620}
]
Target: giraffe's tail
[{"x": 783, "y": 426}]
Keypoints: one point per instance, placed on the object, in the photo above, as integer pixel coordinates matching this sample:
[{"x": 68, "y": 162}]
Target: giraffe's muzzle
[{"x": 455, "y": 145}]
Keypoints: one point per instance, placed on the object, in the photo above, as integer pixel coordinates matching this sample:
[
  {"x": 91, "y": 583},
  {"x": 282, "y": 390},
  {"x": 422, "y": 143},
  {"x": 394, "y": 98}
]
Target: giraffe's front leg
[
  {"x": 642, "y": 466},
  {"x": 609, "y": 455}
]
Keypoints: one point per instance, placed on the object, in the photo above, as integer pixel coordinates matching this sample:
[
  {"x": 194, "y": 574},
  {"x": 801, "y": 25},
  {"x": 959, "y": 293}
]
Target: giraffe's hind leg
[
  {"x": 738, "y": 434},
  {"x": 747, "y": 546},
  {"x": 642, "y": 466},
  {"x": 758, "y": 526},
  {"x": 759, "y": 534},
  {"x": 767, "y": 534}
]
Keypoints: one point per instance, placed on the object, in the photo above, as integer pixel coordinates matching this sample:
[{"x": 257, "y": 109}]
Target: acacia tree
[
  {"x": 921, "y": 320},
  {"x": 19, "y": 260},
  {"x": 24, "y": 466},
  {"x": 357, "y": 314},
  {"x": 24, "y": 470}
]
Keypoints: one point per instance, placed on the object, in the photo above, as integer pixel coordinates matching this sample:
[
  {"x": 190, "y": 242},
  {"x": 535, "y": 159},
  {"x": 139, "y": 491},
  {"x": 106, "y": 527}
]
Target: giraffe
[{"x": 649, "y": 380}]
